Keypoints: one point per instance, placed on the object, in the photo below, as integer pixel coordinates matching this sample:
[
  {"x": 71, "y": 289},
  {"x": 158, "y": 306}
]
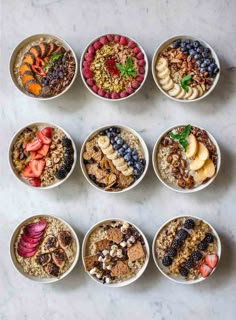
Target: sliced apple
[
  {"x": 192, "y": 146},
  {"x": 203, "y": 152},
  {"x": 200, "y": 176},
  {"x": 209, "y": 168},
  {"x": 197, "y": 164}
]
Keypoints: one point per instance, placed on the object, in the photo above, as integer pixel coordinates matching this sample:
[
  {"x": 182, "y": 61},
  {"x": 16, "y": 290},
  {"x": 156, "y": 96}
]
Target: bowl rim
[
  {"x": 128, "y": 281},
  {"x": 48, "y": 124},
  {"x": 14, "y": 54},
  {"x": 166, "y": 43},
  {"x": 12, "y": 253},
  {"x": 219, "y": 249},
  {"x": 176, "y": 189},
  {"x": 129, "y": 38},
  {"x": 142, "y": 142}
]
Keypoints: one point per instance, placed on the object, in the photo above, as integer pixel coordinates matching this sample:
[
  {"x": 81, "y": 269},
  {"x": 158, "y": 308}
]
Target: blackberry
[
  {"x": 209, "y": 238},
  {"x": 189, "y": 263},
  {"x": 189, "y": 224},
  {"x": 61, "y": 173},
  {"x": 196, "y": 255},
  {"x": 167, "y": 261},
  {"x": 183, "y": 271},
  {"x": 69, "y": 150},
  {"x": 182, "y": 234},
  {"x": 176, "y": 243},
  {"x": 202, "y": 245},
  {"x": 66, "y": 142},
  {"x": 171, "y": 252}
]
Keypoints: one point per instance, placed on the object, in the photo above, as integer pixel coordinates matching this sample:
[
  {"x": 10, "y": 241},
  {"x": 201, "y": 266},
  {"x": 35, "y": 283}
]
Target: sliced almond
[
  {"x": 203, "y": 152},
  {"x": 209, "y": 168},
  {"x": 192, "y": 146},
  {"x": 197, "y": 164}
]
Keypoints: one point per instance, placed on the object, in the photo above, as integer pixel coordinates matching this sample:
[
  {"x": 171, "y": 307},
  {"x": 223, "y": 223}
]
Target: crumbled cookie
[
  {"x": 119, "y": 269},
  {"x": 102, "y": 245},
  {"x": 92, "y": 151},
  {"x": 115, "y": 235},
  {"x": 89, "y": 261},
  {"x": 136, "y": 251}
]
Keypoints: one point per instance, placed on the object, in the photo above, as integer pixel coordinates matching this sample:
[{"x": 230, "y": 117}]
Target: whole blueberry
[
  {"x": 188, "y": 46},
  {"x": 127, "y": 157},
  {"x": 139, "y": 166},
  {"x": 112, "y": 141},
  {"x": 102, "y": 133},
  {"x": 129, "y": 150},
  {"x": 200, "y": 49},
  {"x": 121, "y": 152},
  {"x": 198, "y": 63},
  {"x": 125, "y": 146},
  {"x": 192, "y": 52},
  {"x": 119, "y": 141},
  {"x": 130, "y": 163},
  {"x": 187, "y": 41},
  {"x": 207, "y": 50},
  {"x": 143, "y": 161},
  {"x": 136, "y": 172},
  {"x": 185, "y": 52},
  {"x": 183, "y": 44},
  {"x": 205, "y": 54},
  {"x": 117, "y": 130},
  {"x": 203, "y": 65},
  {"x": 202, "y": 70},
  {"x": 216, "y": 69},
  {"x": 116, "y": 146},
  {"x": 135, "y": 157},
  {"x": 208, "y": 62},
  {"x": 196, "y": 44},
  {"x": 176, "y": 43},
  {"x": 197, "y": 56}
]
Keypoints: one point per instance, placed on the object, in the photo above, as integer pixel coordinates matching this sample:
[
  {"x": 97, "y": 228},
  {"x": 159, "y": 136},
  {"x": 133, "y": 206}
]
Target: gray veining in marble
[{"x": 148, "y": 205}]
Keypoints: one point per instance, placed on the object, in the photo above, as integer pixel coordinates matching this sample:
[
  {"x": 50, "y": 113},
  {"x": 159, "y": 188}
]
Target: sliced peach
[
  {"x": 192, "y": 146},
  {"x": 203, "y": 152},
  {"x": 197, "y": 164},
  {"x": 200, "y": 176},
  {"x": 209, "y": 168}
]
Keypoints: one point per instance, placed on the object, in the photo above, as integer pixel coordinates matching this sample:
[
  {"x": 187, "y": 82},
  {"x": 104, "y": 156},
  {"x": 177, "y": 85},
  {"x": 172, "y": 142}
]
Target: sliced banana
[
  {"x": 164, "y": 81},
  {"x": 168, "y": 86},
  {"x": 175, "y": 91},
  {"x": 162, "y": 64},
  {"x": 122, "y": 168},
  {"x": 108, "y": 150},
  {"x": 118, "y": 162},
  {"x": 188, "y": 93},
  {"x": 103, "y": 142},
  {"x": 200, "y": 91},
  {"x": 181, "y": 94},
  {"x": 194, "y": 94},
  {"x": 128, "y": 172},
  {"x": 112, "y": 156},
  {"x": 163, "y": 74}
]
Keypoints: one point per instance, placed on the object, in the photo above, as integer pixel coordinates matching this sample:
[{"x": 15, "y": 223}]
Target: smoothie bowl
[
  {"x": 115, "y": 252},
  {"x": 185, "y": 69},
  {"x": 43, "y": 66},
  {"x": 114, "y": 158},
  {"x": 186, "y": 158},
  {"x": 186, "y": 249},
  {"x": 114, "y": 67},
  {"x": 44, "y": 248},
  {"x": 42, "y": 155}
]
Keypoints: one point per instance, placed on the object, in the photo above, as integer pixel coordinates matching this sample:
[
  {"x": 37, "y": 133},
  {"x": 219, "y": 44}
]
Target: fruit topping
[
  {"x": 196, "y": 255},
  {"x": 23, "y": 252},
  {"x": 189, "y": 224},
  {"x": 167, "y": 261},
  {"x": 64, "y": 239},
  {"x": 59, "y": 257},
  {"x": 50, "y": 243},
  {"x": 37, "y": 167},
  {"x": 35, "y": 182},
  {"x": 44, "y": 139},
  {"x": 42, "y": 151},
  {"x": 192, "y": 146},
  {"x": 52, "y": 269},
  {"x": 212, "y": 260},
  {"x": 35, "y": 145},
  {"x": 43, "y": 259},
  {"x": 205, "y": 270},
  {"x": 202, "y": 245},
  {"x": 47, "y": 132},
  {"x": 176, "y": 243},
  {"x": 183, "y": 271},
  {"x": 182, "y": 234},
  {"x": 28, "y": 172},
  {"x": 110, "y": 64},
  {"x": 36, "y": 227},
  {"x": 209, "y": 238},
  {"x": 189, "y": 263},
  {"x": 171, "y": 252}
]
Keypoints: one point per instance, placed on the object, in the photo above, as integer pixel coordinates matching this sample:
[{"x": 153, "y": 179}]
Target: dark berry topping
[
  {"x": 189, "y": 263},
  {"x": 66, "y": 142},
  {"x": 176, "y": 243},
  {"x": 167, "y": 261},
  {"x": 196, "y": 255},
  {"x": 202, "y": 245},
  {"x": 182, "y": 234},
  {"x": 171, "y": 252},
  {"x": 183, "y": 271},
  {"x": 189, "y": 224},
  {"x": 209, "y": 238},
  {"x": 61, "y": 173}
]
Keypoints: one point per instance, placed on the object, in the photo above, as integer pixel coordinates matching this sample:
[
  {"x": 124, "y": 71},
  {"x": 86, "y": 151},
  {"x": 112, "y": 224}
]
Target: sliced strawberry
[
  {"x": 35, "y": 182},
  {"x": 44, "y": 150},
  {"x": 47, "y": 132},
  {"x": 34, "y": 145},
  {"x": 37, "y": 167},
  {"x": 29, "y": 239},
  {"x": 36, "y": 156},
  {"x": 43, "y": 138},
  {"x": 205, "y": 270},
  {"x": 212, "y": 260},
  {"x": 28, "y": 172}
]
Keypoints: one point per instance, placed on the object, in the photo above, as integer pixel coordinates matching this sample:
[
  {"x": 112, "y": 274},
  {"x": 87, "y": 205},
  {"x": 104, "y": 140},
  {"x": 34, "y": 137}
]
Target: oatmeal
[
  {"x": 45, "y": 247},
  {"x": 114, "y": 67},
  {"x": 186, "y": 247},
  {"x": 42, "y": 156},
  {"x": 186, "y": 157},
  {"x": 114, "y": 159},
  {"x": 115, "y": 252}
]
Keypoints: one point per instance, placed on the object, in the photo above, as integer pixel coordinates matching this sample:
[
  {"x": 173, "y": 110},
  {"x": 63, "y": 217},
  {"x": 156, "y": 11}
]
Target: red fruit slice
[
  {"x": 88, "y": 57},
  {"x": 47, "y": 131},
  {"x": 95, "y": 89},
  {"x": 131, "y": 44},
  {"x": 140, "y": 56},
  {"x": 22, "y": 248},
  {"x": 23, "y": 253},
  {"x": 37, "y": 167},
  {"x": 101, "y": 92},
  {"x": 28, "y": 172},
  {"x": 35, "y": 156},
  {"x": 36, "y": 227},
  {"x": 123, "y": 94},
  {"x": 103, "y": 40},
  {"x": 43, "y": 138},
  {"x": 28, "y": 245},
  {"x": 110, "y": 37},
  {"x": 33, "y": 145},
  {"x": 141, "y": 63},
  {"x": 212, "y": 260},
  {"x": 97, "y": 45},
  {"x": 29, "y": 239},
  {"x": 44, "y": 150},
  {"x": 87, "y": 73},
  {"x": 91, "y": 50},
  {"x": 205, "y": 270},
  {"x": 35, "y": 182},
  {"x": 115, "y": 95},
  {"x": 123, "y": 41},
  {"x": 117, "y": 38},
  {"x": 34, "y": 236},
  {"x": 90, "y": 82}
]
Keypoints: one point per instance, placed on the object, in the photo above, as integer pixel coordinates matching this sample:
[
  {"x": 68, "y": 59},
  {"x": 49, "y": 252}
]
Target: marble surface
[{"x": 150, "y": 204}]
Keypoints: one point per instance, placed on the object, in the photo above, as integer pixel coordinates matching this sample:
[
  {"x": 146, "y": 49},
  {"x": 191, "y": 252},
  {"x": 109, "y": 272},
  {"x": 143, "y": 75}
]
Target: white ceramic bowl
[
  {"x": 180, "y": 279},
  {"x": 40, "y": 125},
  {"x": 165, "y": 44},
  {"x": 126, "y": 282},
  {"x": 21, "y": 46},
  {"x": 17, "y": 265},
  {"x": 83, "y": 59},
  {"x": 176, "y": 188},
  {"x": 94, "y": 133}
]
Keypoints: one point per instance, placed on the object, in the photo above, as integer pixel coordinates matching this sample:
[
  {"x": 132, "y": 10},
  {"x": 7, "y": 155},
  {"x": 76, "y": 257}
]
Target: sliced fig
[
  {"x": 50, "y": 243},
  {"x": 64, "y": 239},
  {"x": 52, "y": 269},
  {"x": 37, "y": 227},
  {"x": 28, "y": 245},
  {"x": 59, "y": 257},
  {"x": 29, "y": 239},
  {"x": 43, "y": 259},
  {"x": 25, "y": 254}
]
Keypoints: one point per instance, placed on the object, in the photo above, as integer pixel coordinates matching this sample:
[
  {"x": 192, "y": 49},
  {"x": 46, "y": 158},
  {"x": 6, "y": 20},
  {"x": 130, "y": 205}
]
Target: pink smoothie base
[{"x": 88, "y": 56}]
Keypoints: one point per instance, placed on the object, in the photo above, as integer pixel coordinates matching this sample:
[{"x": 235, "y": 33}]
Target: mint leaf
[
  {"x": 181, "y": 137},
  {"x": 127, "y": 69},
  {"x": 185, "y": 81}
]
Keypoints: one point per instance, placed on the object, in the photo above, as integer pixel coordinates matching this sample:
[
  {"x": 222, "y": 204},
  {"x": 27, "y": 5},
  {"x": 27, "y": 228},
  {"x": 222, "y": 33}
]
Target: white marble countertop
[{"x": 150, "y": 204}]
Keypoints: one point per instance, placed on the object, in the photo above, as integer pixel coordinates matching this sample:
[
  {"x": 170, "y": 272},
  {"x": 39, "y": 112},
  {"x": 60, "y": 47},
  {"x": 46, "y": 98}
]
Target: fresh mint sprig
[
  {"x": 185, "y": 81},
  {"x": 127, "y": 69},
  {"x": 181, "y": 137}
]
